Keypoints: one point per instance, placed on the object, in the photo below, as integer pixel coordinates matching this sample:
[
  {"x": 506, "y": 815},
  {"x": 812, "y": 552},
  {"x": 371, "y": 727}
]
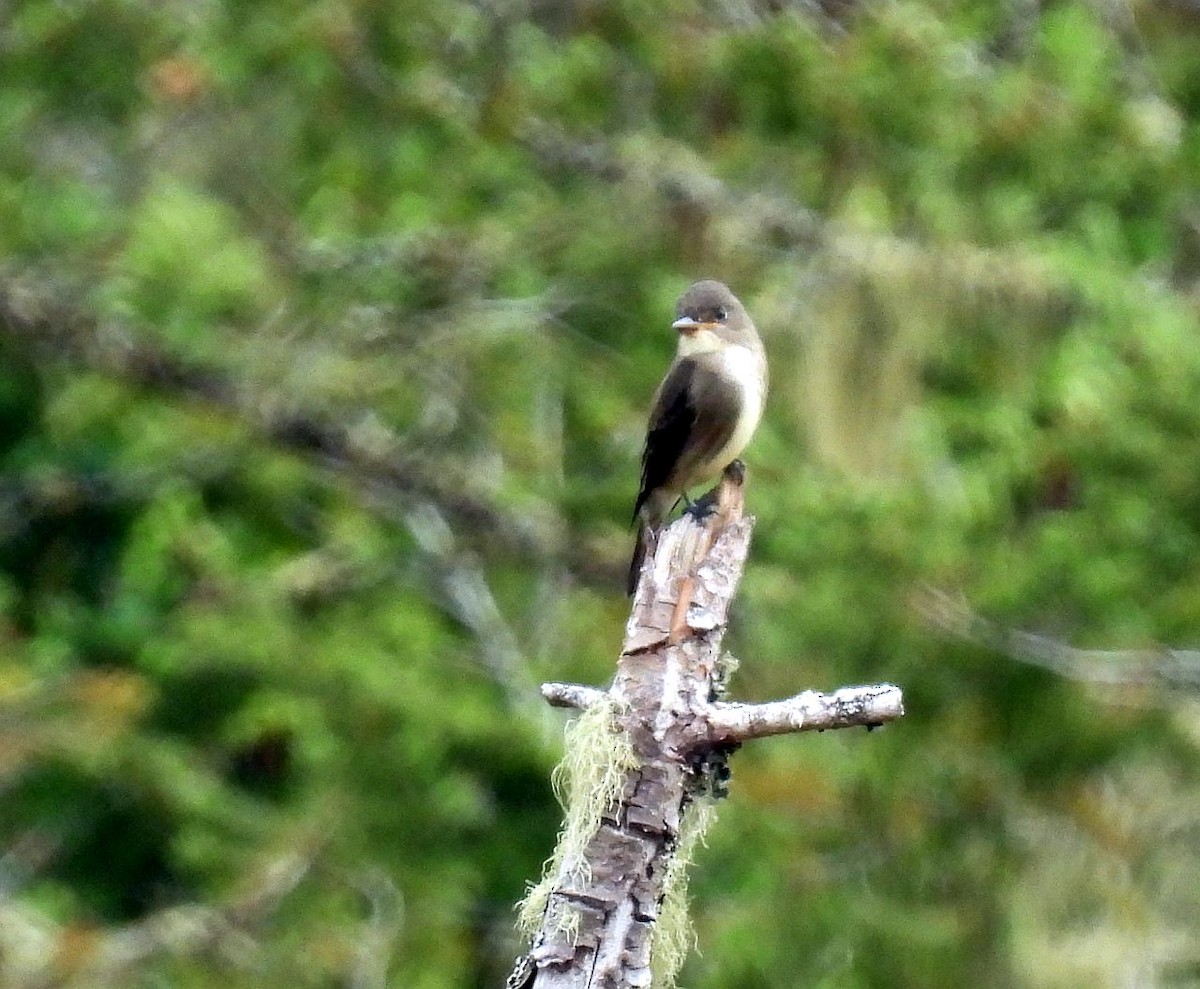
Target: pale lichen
[
  {"x": 674, "y": 935},
  {"x": 597, "y": 760}
]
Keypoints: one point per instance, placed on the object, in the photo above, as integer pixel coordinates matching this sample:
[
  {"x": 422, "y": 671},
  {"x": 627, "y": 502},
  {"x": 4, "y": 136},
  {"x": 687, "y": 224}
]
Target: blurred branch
[
  {"x": 698, "y": 200},
  {"x": 366, "y": 453},
  {"x": 469, "y": 599},
  {"x": 1178, "y": 669},
  {"x": 29, "y": 853},
  {"x": 36, "y": 952},
  {"x": 458, "y": 584},
  {"x": 380, "y": 931},
  {"x": 420, "y": 493}
]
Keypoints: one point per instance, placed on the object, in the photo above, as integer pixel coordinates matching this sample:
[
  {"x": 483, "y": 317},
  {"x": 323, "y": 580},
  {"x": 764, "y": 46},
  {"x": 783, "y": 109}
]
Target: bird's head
[{"x": 709, "y": 317}]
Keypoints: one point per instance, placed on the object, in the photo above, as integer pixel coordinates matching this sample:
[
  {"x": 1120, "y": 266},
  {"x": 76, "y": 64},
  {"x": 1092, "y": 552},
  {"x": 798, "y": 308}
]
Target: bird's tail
[{"x": 640, "y": 549}]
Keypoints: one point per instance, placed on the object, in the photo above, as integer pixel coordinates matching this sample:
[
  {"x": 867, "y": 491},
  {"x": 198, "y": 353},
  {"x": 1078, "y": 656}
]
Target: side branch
[
  {"x": 729, "y": 722},
  {"x": 574, "y": 695},
  {"x": 810, "y": 710}
]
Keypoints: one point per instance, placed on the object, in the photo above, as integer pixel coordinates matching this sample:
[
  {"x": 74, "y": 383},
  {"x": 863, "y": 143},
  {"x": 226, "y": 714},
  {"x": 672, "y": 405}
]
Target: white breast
[{"x": 743, "y": 366}]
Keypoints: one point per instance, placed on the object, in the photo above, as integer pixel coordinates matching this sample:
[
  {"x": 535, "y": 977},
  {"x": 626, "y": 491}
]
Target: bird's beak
[{"x": 685, "y": 324}]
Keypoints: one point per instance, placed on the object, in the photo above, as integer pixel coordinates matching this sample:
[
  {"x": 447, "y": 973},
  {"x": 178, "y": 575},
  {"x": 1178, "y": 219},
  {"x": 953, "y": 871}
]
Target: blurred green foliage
[{"x": 452, "y": 233}]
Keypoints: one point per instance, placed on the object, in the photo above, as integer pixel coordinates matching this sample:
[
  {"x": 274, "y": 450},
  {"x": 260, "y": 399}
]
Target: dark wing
[{"x": 694, "y": 415}]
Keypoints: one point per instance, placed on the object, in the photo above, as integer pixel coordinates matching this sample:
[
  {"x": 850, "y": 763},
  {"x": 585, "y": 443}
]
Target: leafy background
[{"x": 327, "y": 335}]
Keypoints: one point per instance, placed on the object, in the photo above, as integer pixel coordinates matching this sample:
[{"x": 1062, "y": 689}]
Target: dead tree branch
[
  {"x": 732, "y": 723},
  {"x": 574, "y": 695},
  {"x": 808, "y": 711},
  {"x": 611, "y": 910}
]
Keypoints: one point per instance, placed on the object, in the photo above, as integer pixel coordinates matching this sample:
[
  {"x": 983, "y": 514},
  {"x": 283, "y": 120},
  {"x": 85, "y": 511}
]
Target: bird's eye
[{"x": 722, "y": 314}]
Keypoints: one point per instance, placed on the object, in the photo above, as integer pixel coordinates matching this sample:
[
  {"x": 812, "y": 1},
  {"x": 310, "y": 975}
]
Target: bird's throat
[{"x": 698, "y": 342}]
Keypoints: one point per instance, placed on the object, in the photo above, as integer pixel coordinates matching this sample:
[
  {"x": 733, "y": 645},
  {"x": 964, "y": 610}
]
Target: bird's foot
[{"x": 703, "y": 507}]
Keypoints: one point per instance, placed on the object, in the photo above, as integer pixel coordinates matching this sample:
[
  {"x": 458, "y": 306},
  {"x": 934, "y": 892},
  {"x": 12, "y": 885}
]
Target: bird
[{"x": 705, "y": 410}]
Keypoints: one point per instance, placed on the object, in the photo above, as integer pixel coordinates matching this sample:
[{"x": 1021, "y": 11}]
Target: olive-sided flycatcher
[{"x": 706, "y": 408}]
